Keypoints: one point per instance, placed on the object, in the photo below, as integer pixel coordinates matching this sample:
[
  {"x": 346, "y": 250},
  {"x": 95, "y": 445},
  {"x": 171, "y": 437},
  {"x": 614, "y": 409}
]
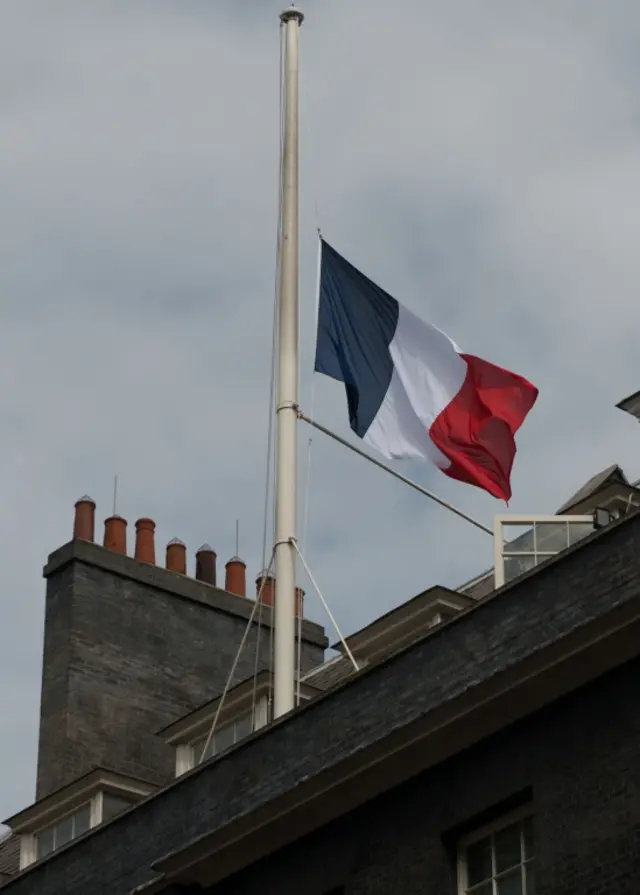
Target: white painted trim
[
  {"x": 262, "y": 713},
  {"x": 185, "y": 759},
  {"x": 27, "y": 850},
  {"x": 96, "y": 810}
]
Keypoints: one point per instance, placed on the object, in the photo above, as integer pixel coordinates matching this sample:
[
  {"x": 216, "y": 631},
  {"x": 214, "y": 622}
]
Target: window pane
[
  {"x": 44, "y": 843},
  {"x": 243, "y": 727},
  {"x": 510, "y": 883},
  {"x": 199, "y": 746},
  {"x": 551, "y": 537},
  {"x": 64, "y": 832},
  {"x": 479, "y": 862},
  {"x": 527, "y": 828},
  {"x": 507, "y": 848},
  {"x": 579, "y": 530},
  {"x": 521, "y": 539},
  {"x": 531, "y": 880},
  {"x": 513, "y": 567},
  {"x": 224, "y": 738},
  {"x": 113, "y": 805},
  {"x": 81, "y": 821}
]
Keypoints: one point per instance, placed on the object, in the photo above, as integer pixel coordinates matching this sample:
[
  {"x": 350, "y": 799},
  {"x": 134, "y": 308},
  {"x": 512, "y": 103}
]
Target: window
[
  {"x": 541, "y": 538},
  {"x": 224, "y": 737},
  {"x": 113, "y": 805},
  {"x": 70, "y": 827},
  {"x": 499, "y": 860}
]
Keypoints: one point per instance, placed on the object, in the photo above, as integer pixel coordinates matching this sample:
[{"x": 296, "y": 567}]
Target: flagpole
[{"x": 286, "y": 408}]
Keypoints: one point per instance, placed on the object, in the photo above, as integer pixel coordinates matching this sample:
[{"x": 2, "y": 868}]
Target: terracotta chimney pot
[
  {"x": 176, "y": 557},
  {"x": 115, "y": 534},
  {"x": 84, "y": 522},
  {"x": 299, "y": 602},
  {"x": 268, "y": 595},
  {"x": 206, "y": 565},
  {"x": 145, "y": 541},
  {"x": 236, "y": 577}
]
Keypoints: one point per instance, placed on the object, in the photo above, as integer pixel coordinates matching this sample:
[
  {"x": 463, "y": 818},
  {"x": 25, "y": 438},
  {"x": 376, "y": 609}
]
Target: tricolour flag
[{"x": 412, "y": 393}]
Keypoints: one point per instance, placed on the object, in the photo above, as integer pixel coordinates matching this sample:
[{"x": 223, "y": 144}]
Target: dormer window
[
  {"x": 67, "y": 828},
  {"x": 246, "y": 708},
  {"x": 72, "y": 811},
  {"x": 225, "y": 737}
]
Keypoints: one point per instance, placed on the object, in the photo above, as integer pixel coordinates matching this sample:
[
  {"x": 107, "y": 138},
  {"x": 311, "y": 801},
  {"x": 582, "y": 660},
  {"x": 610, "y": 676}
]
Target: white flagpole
[{"x": 286, "y": 408}]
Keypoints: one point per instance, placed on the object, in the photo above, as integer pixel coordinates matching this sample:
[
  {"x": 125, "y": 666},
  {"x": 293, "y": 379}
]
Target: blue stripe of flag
[{"x": 356, "y": 324}]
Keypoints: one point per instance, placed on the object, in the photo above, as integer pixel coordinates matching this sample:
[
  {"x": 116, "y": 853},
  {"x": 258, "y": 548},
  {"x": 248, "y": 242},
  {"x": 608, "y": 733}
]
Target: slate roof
[
  {"x": 609, "y": 476},
  {"x": 9, "y": 857}
]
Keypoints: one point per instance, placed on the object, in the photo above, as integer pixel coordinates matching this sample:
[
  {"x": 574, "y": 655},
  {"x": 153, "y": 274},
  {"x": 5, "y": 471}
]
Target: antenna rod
[
  {"x": 286, "y": 410},
  {"x": 115, "y": 493}
]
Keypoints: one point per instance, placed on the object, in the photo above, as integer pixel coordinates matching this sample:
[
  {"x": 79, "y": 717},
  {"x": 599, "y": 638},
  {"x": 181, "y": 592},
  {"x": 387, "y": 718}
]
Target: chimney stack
[
  {"x": 176, "y": 557},
  {"x": 115, "y": 534},
  {"x": 206, "y": 565},
  {"x": 84, "y": 522},
  {"x": 236, "y": 577},
  {"x": 145, "y": 543}
]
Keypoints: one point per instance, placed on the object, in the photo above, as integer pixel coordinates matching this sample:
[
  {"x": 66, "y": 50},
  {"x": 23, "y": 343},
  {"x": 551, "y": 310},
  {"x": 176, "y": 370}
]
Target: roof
[
  {"x": 404, "y": 623},
  {"x": 238, "y": 699},
  {"x": 551, "y": 631},
  {"x": 631, "y": 404},
  {"x": 612, "y": 475},
  {"x": 330, "y": 673},
  {"x": 9, "y": 856}
]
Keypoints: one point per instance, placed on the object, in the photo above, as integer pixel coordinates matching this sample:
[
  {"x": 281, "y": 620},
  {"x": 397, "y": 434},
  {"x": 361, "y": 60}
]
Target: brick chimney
[
  {"x": 115, "y": 534},
  {"x": 176, "y": 556},
  {"x": 145, "y": 541},
  {"x": 84, "y": 522},
  {"x": 206, "y": 565}
]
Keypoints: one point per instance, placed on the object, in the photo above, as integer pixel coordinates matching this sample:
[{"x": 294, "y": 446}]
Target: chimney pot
[
  {"x": 268, "y": 594},
  {"x": 206, "y": 565},
  {"x": 145, "y": 541},
  {"x": 115, "y": 534},
  {"x": 299, "y": 602},
  {"x": 176, "y": 556},
  {"x": 84, "y": 522},
  {"x": 236, "y": 577}
]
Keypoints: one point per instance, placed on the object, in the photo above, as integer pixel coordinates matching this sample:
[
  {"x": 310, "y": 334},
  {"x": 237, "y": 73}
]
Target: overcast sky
[{"x": 481, "y": 161}]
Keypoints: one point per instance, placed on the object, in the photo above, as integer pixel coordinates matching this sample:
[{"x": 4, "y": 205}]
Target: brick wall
[
  {"x": 582, "y": 759},
  {"x": 579, "y": 759},
  {"x": 124, "y": 658}
]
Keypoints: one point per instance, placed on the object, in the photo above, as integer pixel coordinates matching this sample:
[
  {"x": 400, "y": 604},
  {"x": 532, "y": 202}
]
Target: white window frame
[
  {"x": 500, "y": 547},
  {"x": 29, "y": 841},
  {"x": 500, "y": 823}
]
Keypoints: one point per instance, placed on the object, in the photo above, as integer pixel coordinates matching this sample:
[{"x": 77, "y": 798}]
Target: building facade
[{"x": 487, "y": 743}]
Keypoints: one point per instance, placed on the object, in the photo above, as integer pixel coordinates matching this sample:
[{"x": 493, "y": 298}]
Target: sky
[{"x": 480, "y": 161}]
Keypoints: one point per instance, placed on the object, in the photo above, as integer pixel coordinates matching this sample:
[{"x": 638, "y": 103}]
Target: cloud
[{"x": 478, "y": 162}]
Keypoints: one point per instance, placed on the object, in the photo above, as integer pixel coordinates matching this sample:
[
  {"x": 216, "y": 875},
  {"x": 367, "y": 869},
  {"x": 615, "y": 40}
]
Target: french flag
[{"x": 412, "y": 393}]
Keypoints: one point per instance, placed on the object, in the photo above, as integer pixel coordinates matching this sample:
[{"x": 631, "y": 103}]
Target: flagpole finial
[{"x": 291, "y": 12}]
